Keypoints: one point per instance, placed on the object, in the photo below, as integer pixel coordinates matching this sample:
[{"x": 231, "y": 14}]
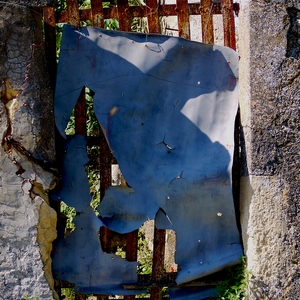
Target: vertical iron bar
[
  {"x": 131, "y": 245},
  {"x": 97, "y": 13},
  {"x": 73, "y": 13},
  {"x": 183, "y": 18},
  {"x": 207, "y": 22},
  {"x": 105, "y": 238},
  {"x": 153, "y": 19},
  {"x": 158, "y": 271},
  {"x": 228, "y": 24},
  {"x": 124, "y": 17}
]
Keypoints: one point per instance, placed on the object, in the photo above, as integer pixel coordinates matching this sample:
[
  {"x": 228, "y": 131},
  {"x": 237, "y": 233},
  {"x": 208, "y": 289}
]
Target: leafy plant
[
  {"x": 234, "y": 288},
  {"x": 145, "y": 255},
  {"x": 120, "y": 252},
  {"x": 70, "y": 214},
  {"x": 111, "y": 24},
  {"x": 68, "y": 293}
]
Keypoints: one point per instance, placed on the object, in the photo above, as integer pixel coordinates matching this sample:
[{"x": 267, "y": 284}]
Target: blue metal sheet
[
  {"x": 167, "y": 107},
  {"x": 78, "y": 257}
]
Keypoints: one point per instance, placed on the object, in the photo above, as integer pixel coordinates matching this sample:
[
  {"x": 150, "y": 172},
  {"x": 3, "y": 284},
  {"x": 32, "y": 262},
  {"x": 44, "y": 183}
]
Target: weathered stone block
[{"x": 270, "y": 101}]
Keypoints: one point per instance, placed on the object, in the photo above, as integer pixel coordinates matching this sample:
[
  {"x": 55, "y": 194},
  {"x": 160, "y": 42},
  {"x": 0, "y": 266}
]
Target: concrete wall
[
  {"x": 270, "y": 101},
  {"x": 27, "y": 223}
]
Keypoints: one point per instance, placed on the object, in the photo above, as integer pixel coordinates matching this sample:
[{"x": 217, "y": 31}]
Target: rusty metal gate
[{"x": 124, "y": 13}]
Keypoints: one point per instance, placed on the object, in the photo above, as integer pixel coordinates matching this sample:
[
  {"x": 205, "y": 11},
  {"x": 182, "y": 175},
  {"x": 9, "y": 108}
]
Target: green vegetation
[
  {"x": 70, "y": 214},
  {"x": 145, "y": 255},
  {"x": 68, "y": 293},
  {"x": 235, "y": 287}
]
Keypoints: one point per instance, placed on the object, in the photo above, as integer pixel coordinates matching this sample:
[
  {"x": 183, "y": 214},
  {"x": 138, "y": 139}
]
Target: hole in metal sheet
[
  {"x": 70, "y": 213},
  {"x": 170, "y": 249},
  {"x": 139, "y": 25},
  {"x": 70, "y": 129},
  {"x": 116, "y": 175},
  {"x": 145, "y": 247}
]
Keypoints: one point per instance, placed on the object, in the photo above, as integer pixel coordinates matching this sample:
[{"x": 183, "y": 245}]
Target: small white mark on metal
[
  {"x": 168, "y": 197},
  {"x": 199, "y": 241},
  {"x": 198, "y": 82},
  {"x": 219, "y": 214}
]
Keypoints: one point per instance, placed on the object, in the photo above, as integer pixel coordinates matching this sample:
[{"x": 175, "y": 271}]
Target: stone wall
[
  {"x": 27, "y": 222},
  {"x": 270, "y": 103}
]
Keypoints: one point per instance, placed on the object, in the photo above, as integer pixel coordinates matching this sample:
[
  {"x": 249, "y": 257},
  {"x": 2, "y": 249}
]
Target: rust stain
[
  {"x": 153, "y": 19},
  {"x": 97, "y": 13},
  {"x": 123, "y": 15},
  {"x": 183, "y": 19},
  {"x": 139, "y": 11},
  {"x": 228, "y": 23},
  {"x": 207, "y": 21},
  {"x": 73, "y": 12}
]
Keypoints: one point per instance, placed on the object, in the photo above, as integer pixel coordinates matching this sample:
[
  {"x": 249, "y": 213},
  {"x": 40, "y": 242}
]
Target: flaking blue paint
[{"x": 167, "y": 107}]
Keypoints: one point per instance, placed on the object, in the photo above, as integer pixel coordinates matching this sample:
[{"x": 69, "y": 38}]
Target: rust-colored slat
[
  {"x": 73, "y": 13},
  {"x": 97, "y": 13},
  {"x": 105, "y": 239},
  {"x": 123, "y": 15},
  {"x": 138, "y": 11},
  {"x": 158, "y": 271},
  {"x": 50, "y": 38},
  {"x": 152, "y": 15},
  {"x": 80, "y": 114},
  {"x": 131, "y": 245},
  {"x": 183, "y": 18},
  {"x": 228, "y": 24},
  {"x": 196, "y": 9},
  {"x": 207, "y": 22}
]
